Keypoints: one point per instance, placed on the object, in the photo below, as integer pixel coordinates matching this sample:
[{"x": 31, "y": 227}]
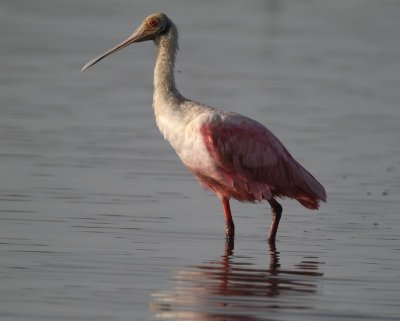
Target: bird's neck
[{"x": 165, "y": 91}]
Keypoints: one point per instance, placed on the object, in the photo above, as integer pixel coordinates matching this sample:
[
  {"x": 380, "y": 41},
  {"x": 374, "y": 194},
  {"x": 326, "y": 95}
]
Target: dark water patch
[
  {"x": 31, "y": 220},
  {"x": 23, "y": 244},
  {"x": 15, "y": 211},
  {"x": 33, "y": 251}
]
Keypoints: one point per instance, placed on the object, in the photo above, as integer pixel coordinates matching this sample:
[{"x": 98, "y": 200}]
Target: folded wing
[{"x": 250, "y": 152}]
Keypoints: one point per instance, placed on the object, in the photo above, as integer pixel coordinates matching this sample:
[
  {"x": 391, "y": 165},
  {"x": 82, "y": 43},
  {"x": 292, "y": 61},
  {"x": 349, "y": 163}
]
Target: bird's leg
[
  {"x": 276, "y": 211},
  {"x": 229, "y": 226},
  {"x": 229, "y": 245}
]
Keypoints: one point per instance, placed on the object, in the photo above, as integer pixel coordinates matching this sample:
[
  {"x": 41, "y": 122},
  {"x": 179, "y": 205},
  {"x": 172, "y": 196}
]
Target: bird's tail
[{"x": 308, "y": 191}]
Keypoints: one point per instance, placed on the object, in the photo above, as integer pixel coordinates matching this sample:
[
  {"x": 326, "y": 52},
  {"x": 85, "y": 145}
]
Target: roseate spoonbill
[{"x": 229, "y": 154}]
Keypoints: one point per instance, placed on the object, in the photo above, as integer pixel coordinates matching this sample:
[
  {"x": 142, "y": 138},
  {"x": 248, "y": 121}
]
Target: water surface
[{"x": 100, "y": 221}]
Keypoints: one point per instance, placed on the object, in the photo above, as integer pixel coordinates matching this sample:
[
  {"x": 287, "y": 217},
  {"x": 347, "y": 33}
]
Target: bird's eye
[{"x": 153, "y": 23}]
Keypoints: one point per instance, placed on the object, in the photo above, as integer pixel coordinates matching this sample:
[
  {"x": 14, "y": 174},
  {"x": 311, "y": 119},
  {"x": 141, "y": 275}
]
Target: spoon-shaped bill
[{"x": 140, "y": 34}]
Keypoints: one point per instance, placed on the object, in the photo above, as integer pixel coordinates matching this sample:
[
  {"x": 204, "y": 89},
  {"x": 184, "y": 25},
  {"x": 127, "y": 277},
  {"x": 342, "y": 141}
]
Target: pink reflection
[{"x": 232, "y": 289}]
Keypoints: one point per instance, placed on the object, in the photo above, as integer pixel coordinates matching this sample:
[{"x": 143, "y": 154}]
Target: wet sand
[{"x": 100, "y": 221}]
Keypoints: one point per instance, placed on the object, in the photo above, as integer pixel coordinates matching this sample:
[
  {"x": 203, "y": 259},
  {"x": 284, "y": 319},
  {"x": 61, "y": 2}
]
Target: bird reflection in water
[{"x": 230, "y": 289}]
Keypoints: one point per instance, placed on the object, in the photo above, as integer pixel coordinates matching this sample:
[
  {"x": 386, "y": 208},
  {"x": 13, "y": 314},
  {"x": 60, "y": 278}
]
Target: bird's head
[{"x": 152, "y": 26}]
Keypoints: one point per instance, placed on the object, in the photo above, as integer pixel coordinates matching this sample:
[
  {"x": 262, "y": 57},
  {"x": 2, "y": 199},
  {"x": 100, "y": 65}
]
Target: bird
[{"x": 233, "y": 156}]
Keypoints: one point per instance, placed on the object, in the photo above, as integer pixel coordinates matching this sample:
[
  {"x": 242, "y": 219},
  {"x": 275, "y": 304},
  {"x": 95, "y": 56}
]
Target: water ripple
[{"x": 232, "y": 289}]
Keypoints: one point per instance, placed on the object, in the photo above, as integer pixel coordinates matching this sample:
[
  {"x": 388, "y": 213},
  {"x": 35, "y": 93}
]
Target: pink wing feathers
[{"x": 256, "y": 163}]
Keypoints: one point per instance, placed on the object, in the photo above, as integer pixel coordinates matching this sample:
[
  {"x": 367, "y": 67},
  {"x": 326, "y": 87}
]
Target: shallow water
[{"x": 99, "y": 221}]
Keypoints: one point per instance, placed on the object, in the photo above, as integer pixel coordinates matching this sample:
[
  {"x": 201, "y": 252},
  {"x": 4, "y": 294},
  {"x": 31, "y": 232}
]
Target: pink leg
[
  {"x": 276, "y": 210},
  {"x": 229, "y": 226}
]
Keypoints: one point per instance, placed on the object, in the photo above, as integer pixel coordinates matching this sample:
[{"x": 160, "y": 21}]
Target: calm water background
[{"x": 99, "y": 221}]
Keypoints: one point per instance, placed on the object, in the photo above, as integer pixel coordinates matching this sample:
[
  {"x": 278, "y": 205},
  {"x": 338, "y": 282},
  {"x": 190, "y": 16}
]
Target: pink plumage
[{"x": 254, "y": 164}]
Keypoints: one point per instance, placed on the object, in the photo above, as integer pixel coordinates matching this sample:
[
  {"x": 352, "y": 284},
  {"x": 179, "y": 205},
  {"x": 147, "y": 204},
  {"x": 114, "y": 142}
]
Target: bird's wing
[
  {"x": 244, "y": 147},
  {"x": 241, "y": 145}
]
